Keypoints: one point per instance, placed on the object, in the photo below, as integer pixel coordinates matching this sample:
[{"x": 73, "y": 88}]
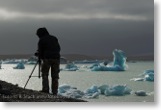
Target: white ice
[
  {"x": 20, "y": 65},
  {"x": 115, "y": 90},
  {"x": 148, "y": 75},
  {"x": 119, "y": 63},
  {"x": 94, "y": 91},
  {"x": 70, "y": 67},
  {"x": 68, "y": 91}
]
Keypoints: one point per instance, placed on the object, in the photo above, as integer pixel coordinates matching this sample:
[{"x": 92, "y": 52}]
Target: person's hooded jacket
[{"x": 48, "y": 45}]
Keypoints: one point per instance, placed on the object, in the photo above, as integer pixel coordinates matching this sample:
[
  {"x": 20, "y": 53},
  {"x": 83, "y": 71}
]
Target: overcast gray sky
[{"x": 90, "y": 27}]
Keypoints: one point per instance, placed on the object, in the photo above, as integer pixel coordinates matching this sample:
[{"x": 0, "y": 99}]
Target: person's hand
[
  {"x": 39, "y": 61},
  {"x": 36, "y": 54}
]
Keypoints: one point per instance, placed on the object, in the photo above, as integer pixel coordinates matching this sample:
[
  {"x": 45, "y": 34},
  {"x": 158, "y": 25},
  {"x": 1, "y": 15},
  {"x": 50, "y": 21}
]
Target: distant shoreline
[{"x": 73, "y": 57}]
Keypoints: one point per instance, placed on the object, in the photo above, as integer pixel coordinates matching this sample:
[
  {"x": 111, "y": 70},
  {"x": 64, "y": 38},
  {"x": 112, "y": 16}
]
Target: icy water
[{"x": 84, "y": 79}]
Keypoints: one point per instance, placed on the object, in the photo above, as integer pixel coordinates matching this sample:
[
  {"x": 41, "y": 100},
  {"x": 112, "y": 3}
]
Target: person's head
[{"x": 42, "y": 32}]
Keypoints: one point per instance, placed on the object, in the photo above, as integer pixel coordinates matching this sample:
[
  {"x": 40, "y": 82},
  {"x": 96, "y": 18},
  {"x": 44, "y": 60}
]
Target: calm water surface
[{"x": 84, "y": 79}]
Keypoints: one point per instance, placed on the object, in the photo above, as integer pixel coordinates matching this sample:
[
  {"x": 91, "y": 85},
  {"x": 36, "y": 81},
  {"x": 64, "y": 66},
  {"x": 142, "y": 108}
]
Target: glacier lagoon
[{"x": 83, "y": 80}]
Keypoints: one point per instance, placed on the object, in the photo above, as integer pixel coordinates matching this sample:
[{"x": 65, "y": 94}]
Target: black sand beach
[{"x": 13, "y": 93}]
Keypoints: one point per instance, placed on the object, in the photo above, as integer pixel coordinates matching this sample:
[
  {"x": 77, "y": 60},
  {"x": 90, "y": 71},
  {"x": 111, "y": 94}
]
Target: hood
[{"x": 42, "y": 32}]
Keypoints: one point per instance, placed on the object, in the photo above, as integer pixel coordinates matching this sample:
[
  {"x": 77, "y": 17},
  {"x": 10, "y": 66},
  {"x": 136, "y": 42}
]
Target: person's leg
[
  {"x": 55, "y": 76},
  {"x": 45, "y": 74},
  {"x": 55, "y": 85}
]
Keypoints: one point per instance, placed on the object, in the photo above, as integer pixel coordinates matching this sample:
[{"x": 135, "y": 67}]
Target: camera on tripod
[{"x": 38, "y": 56}]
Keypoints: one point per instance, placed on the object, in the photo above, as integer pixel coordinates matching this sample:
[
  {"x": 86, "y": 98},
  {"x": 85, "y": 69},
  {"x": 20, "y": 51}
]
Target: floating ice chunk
[
  {"x": 91, "y": 96},
  {"x": 68, "y": 91},
  {"x": 149, "y": 72},
  {"x": 148, "y": 75},
  {"x": 63, "y": 88},
  {"x": 95, "y": 65},
  {"x": 118, "y": 90},
  {"x": 119, "y": 63},
  {"x": 93, "y": 89},
  {"x": 103, "y": 88},
  {"x": 92, "y": 92},
  {"x": 115, "y": 90},
  {"x": 150, "y": 93},
  {"x": 127, "y": 90},
  {"x": 137, "y": 79},
  {"x": 14, "y": 61},
  {"x": 70, "y": 67},
  {"x": 20, "y": 65},
  {"x": 141, "y": 93},
  {"x": 99, "y": 68},
  {"x": 73, "y": 93}
]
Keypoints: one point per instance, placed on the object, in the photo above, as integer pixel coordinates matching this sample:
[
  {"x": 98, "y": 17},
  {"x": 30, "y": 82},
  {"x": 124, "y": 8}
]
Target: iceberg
[
  {"x": 70, "y": 67},
  {"x": 32, "y": 60},
  {"x": 68, "y": 91},
  {"x": 14, "y": 61},
  {"x": 115, "y": 90},
  {"x": 148, "y": 75},
  {"x": 149, "y": 71},
  {"x": 119, "y": 63},
  {"x": 20, "y": 65},
  {"x": 94, "y": 91}
]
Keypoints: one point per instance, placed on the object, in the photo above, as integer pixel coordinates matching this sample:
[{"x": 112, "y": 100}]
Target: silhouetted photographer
[{"x": 49, "y": 53}]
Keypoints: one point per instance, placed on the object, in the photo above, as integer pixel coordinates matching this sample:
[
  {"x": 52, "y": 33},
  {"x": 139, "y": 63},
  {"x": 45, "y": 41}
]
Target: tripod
[{"x": 38, "y": 62}]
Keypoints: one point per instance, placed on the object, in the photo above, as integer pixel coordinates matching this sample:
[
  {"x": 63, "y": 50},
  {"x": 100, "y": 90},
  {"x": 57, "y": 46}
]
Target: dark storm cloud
[
  {"x": 106, "y": 8},
  {"x": 82, "y": 26},
  {"x": 124, "y": 6}
]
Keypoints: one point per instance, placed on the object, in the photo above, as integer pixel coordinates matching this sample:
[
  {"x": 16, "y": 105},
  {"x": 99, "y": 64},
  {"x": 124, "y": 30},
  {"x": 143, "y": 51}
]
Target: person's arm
[
  {"x": 58, "y": 45},
  {"x": 40, "y": 49}
]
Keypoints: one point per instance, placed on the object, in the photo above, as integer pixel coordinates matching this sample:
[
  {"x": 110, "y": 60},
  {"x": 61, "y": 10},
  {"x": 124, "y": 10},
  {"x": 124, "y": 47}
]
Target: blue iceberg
[
  {"x": 119, "y": 63},
  {"x": 20, "y": 65},
  {"x": 14, "y": 61},
  {"x": 149, "y": 72},
  {"x": 68, "y": 91},
  {"x": 148, "y": 75},
  {"x": 115, "y": 90},
  {"x": 94, "y": 91},
  {"x": 31, "y": 62},
  {"x": 70, "y": 67}
]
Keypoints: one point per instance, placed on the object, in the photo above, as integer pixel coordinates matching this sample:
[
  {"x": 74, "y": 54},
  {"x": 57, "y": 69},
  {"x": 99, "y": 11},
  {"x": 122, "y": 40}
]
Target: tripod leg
[
  {"x": 30, "y": 75},
  {"x": 39, "y": 61}
]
